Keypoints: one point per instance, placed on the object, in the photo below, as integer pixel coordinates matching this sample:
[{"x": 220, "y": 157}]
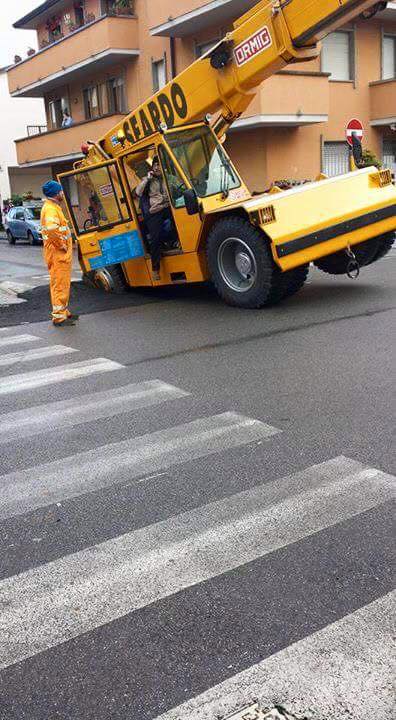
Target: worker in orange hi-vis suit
[{"x": 58, "y": 250}]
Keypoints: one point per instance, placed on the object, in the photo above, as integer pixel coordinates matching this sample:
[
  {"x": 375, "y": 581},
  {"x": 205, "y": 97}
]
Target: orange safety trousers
[
  {"x": 59, "y": 265},
  {"x": 58, "y": 255}
]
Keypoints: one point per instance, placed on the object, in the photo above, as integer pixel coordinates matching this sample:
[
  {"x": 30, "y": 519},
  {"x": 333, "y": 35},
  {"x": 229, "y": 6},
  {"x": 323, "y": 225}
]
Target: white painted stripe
[
  {"x": 78, "y": 593},
  {"x": 17, "y": 340},
  {"x": 38, "y": 378},
  {"x": 36, "y": 354},
  {"x": 85, "y": 408},
  {"x": 341, "y": 672},
  {"x": 92, "y": 470}
]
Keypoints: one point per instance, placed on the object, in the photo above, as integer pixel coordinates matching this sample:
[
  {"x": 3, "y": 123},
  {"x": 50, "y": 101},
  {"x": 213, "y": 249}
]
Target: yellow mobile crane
[{"x": 256, "y": 250}]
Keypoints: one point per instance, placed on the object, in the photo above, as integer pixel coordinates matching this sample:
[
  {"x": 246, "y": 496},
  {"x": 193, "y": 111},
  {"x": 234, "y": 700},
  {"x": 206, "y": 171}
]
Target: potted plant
[
  {"x": 54, "y": 27},
  {"x": 369, "y": 158},
  {"x": 123, "y": 7},
  {"x": 90, "y": 17},
  {"x": 17, "y": 59},
  {"x": 31, "y": 51}
]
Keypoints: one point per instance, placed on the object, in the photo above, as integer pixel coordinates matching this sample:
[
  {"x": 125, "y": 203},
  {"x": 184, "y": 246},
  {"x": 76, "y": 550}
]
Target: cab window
[
  {"x": 101, "y": 201},
  {"x": 176, "y": 185},
  {"x": 203, "y": 161}
]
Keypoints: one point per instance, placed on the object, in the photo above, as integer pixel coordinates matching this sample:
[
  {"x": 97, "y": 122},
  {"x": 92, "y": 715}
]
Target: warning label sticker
[{"x": 106, "y": 190}]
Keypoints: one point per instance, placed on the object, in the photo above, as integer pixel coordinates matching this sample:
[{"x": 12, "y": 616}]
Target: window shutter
[
  {"x": 335, "y": 158},
  {"x": 389, "y": 57},
  {"x": 389, "y": 154},
  {"x": 336, "y": 55}
]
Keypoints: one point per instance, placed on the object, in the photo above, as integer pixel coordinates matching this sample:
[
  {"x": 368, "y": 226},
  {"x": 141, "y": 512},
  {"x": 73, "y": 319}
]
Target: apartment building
[{"x": 100, "y": 58}]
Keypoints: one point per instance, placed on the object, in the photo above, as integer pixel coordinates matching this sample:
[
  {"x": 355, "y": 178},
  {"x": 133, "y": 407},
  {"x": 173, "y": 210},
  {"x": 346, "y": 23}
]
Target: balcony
[
  {"x": 194, "y": 16},
  {"x": 289, "y": 99},
  {"x": 58, "y": 146},
  {"x": 95, "y": 46},
  {"x": 383, "y": 103}
]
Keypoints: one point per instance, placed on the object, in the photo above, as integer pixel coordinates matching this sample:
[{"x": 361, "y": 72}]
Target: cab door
[
  {"x": 188, "y": 226},
  {"x": 102, "y": 220}
]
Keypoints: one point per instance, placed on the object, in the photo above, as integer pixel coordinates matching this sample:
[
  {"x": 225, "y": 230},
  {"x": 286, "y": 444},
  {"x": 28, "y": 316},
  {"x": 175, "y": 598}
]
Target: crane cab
[{"x": 107, "y": 217}]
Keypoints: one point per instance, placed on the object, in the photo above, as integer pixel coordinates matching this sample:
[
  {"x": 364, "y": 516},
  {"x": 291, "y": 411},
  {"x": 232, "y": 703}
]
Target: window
[
  {"x": 79, "y": 12},
  {"x": 33, "y": 213},
  {"x": 116, "y": 95},
  {"x": 101, "y": 201},
  {"x": 335, "y": 158},
  {"x": 91, "y": 103},
  {"x": 104, "y": 98},
  {"x": 56, "y": 108},
  {"x": 159, "y": 74},
  {"x": 203, "y": 48},
  {"x": 389, "y": 154},
  {"x": 203, "y": 161},
  {"x": 337, "y": 55},
  {"x": 388, "y": 57},
  {"x": 71, "y": 189},
  {"x": 19, "y": 214},
  {"x": 176, "y": 185}
]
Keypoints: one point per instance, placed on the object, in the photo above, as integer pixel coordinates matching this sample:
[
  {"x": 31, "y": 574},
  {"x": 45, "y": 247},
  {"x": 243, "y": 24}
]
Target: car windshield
[
  {"x": 204, "y": 161},
  {"x": 33, "y": 213}
]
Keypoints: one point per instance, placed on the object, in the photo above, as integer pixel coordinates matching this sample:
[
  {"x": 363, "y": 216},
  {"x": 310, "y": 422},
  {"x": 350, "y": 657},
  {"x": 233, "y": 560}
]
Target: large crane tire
[
  {"x": 241, "y": 265},
  {"x": 385, "y": 244},
  {"x": 289, "y": 283},
  {"x": 337, "y": 264}
]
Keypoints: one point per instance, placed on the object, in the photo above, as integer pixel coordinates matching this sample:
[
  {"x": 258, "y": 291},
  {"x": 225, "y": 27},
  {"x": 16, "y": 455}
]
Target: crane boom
[{"x": 273, "y": 34}]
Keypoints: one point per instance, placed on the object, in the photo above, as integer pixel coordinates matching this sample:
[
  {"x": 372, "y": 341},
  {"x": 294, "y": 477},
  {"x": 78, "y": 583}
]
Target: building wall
[
  {"x": 269, "y": 153},
  {"x": 29, "y": 179},
  {"x": 15, "y": 115}
]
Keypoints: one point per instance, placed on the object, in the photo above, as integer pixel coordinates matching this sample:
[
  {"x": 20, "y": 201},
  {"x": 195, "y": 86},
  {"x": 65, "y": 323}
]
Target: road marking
[
  {"x": 39, "y": 378},
  {"x": 342, "y": 671},
  {"x": 17, "y": 340},
  {"x": 80, "y": 592},
  {"x": 92, "y": 470},
  {"x": 36, "y": 354},
  {"x": 85, "y": 408},
  {"x": 13, "y": 287}
]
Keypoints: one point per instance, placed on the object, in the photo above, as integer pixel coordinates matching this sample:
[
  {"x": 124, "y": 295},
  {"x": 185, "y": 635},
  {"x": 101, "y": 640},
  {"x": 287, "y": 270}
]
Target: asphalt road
[{"x": 195, "y": 503}]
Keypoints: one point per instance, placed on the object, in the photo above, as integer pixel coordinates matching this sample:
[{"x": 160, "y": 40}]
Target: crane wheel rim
[{"x": 237, "y": 264}]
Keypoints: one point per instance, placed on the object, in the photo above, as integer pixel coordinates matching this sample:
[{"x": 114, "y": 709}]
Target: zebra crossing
[{"x": 182, "y": 557}]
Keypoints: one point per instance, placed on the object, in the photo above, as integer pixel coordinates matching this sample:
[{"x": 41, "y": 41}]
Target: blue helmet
[{"x": 52, "y": 188}]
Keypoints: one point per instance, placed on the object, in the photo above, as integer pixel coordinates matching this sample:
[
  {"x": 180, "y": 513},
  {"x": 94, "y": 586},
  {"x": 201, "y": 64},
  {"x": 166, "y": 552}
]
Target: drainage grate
[{"x": 255, "y": 712}]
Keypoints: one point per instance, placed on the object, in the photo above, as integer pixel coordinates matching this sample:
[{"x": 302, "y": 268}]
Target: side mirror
[{"x": 191, "y": 202}]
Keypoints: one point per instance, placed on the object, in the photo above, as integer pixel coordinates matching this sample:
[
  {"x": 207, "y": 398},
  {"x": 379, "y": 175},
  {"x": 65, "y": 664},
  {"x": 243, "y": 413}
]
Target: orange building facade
[{"x": 98, "y": 59}]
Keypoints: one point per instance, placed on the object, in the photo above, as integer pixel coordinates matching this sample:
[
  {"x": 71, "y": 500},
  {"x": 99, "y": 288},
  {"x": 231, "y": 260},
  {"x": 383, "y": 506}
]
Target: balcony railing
[
  {"x": 63, "y": 143},
  {"x": 36, "y": 130},
  {"x": 292, "y": 98},
  {"x": 383, "y": 102},
  {"x": 186, "y": 17},
  {"x": 101, "y": 43},
  {"x": 67, "y": 29}
]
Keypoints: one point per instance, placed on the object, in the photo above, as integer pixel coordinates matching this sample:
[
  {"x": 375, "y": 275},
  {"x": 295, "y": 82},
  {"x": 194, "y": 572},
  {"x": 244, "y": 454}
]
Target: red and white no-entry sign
[{"x": 354, "y": 127}]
